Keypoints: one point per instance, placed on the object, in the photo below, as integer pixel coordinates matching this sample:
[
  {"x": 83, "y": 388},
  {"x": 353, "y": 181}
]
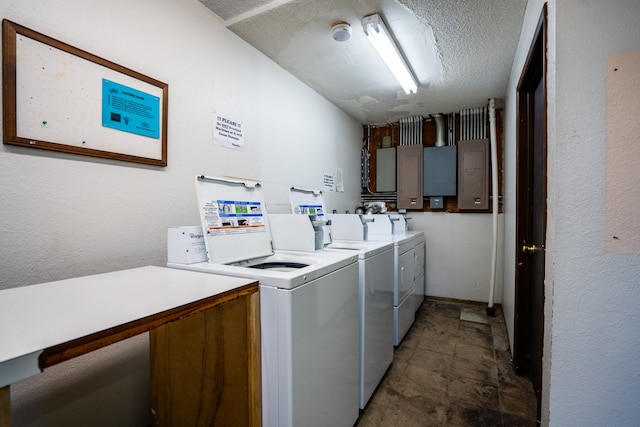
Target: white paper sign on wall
[
  {"x": 328, "y": 182},
  {"x": 228, "y": 132},
  {"x": 339, "y": 181}
]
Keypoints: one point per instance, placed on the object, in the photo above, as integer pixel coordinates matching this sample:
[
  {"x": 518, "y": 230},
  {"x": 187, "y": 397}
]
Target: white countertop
[{"x": 34, "y": 318}]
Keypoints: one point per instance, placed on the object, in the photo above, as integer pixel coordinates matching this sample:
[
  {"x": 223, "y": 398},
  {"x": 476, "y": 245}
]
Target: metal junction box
[
  {"x": 440, "y": 171},
  {"x": 473, "y": 174},
  {"x": 409, "y": 171},
  {"x": 386, "y": 169}
]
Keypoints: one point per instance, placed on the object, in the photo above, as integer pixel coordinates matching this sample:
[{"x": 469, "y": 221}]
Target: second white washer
[{"x": 375, "y": 263}]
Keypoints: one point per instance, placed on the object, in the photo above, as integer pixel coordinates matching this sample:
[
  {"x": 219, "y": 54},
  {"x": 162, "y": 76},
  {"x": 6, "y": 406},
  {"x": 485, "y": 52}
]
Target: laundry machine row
[
  {"x": 375, "y": 261},
  {"x": 409, "y": 260}
]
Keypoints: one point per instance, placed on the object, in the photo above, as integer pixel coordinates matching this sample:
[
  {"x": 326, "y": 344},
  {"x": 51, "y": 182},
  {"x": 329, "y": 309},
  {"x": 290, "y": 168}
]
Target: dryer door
[{"x": 405, "y": 280}]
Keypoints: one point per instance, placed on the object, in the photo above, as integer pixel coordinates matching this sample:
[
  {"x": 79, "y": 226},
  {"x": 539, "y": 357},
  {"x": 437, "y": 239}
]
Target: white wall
[
  {"x": 590, "y": 374},
  {"x": 65, "y": 216},
  {"x": 594, "y": 373},
  {"x": 459, "y": 254}
]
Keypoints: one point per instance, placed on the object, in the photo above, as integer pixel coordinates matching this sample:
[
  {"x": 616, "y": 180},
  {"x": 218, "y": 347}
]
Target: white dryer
[
  {"x": 308, "y": 308},
  {"x": 420, "y": 251},
  {"x": 381, "y": 228},
  {"x": 420, "y": 248}
]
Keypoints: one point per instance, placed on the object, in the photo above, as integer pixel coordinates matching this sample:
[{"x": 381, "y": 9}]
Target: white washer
[
  {"x": 308, "y": 308},
  {"x": 375, "y": 260}
]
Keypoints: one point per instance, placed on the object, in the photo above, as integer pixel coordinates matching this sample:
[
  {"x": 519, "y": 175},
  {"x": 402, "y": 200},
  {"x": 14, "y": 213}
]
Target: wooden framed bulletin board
[{"x": 57, "y": 97}]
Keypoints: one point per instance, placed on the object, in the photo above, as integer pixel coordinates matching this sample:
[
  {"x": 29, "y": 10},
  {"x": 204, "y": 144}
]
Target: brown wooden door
[{"x": 531, "y": 212}]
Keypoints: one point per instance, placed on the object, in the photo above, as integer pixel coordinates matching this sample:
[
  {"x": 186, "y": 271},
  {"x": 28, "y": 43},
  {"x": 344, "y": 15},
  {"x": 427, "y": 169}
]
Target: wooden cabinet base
[
  {"x": 5, "y": 406},
  {"x": 205, "y": 368}
]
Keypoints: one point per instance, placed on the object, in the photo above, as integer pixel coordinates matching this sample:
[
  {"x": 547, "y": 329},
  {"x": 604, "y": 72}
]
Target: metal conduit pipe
[{"x": 439, "y": 120}]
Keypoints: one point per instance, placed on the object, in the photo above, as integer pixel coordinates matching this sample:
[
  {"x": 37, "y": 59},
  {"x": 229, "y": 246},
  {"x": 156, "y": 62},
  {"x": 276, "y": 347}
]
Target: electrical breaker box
[
  {"x": 473, "y": 174},
  {"x": 410, "y": 169},
  {"x": 386, "y": 169},
  {"x": 440, "y": 171}
]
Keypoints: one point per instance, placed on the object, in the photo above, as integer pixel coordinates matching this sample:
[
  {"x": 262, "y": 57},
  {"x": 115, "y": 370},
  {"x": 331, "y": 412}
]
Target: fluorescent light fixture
[{"x": 380, "y": 38}]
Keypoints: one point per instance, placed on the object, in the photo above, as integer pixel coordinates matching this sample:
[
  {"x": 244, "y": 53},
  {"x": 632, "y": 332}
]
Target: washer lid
[
  {"x": 307, "y": 202},
  {"x": 348, "y": 226},
  {"x": 234, "y": 220}
]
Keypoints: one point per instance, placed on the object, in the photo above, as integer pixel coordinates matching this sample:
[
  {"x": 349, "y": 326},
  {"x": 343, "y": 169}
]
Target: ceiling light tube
[{"x": 379, "y": 36}]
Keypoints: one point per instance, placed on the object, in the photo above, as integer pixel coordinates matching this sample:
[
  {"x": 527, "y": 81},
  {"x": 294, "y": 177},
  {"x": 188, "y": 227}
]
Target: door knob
[{"x": 531, "y": 249}]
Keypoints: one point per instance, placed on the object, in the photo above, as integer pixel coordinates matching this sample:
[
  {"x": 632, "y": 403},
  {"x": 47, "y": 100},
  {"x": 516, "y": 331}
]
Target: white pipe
[
  {"x": 494, "y": 190},
  {"x": 414, "y": 129},
  {"x": 439, "y": 121},
  {"x": 484, "y": 121},
  {"x": 406, "y": 131},
  {"x": 475, "y": 123},
  {"x": 466, "y": 125}
]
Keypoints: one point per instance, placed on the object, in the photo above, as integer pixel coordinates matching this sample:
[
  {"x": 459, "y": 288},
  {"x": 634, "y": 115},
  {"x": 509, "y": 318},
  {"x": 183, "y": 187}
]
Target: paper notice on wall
[
  {"x": 228, "y": 132},
  {"x": 130, "y": 110},
  {"x": 339, "y": 181},
  {"x": 328, "y": 182}
]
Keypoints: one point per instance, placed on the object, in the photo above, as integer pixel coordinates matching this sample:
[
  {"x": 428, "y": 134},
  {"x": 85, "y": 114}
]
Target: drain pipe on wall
[{"x": 491, "y": 311}]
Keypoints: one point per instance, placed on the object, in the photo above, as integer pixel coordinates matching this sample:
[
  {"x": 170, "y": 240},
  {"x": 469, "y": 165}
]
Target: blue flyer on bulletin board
[{"x": 130, "y": 110}]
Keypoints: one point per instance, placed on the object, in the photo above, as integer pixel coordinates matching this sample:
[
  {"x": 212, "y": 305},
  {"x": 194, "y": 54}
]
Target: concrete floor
[{"x": 452, "y": 372}]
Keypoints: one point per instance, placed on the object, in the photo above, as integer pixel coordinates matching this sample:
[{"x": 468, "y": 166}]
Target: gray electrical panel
[
  {"x": 473, "y": 174},
  {"x": 410, "y": 170},
  {"x": 440, "y": 171},
  {"x": 386, "y": 169}
]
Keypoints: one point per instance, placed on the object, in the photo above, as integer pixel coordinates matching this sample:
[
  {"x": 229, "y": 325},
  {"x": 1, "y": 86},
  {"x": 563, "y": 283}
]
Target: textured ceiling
[{"x": 461, "y": 51}]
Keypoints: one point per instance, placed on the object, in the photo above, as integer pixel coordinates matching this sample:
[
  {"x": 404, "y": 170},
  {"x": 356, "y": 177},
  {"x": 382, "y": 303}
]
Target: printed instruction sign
[
  {"x": 228, "y": 132},
  {"x": 130, "y": 110},
  {"x": 224, "y": 217},
  {"x": 339, "y": 181},
  {"x": 310, "y": 210},
  {"x": 328, "y": 182}
]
